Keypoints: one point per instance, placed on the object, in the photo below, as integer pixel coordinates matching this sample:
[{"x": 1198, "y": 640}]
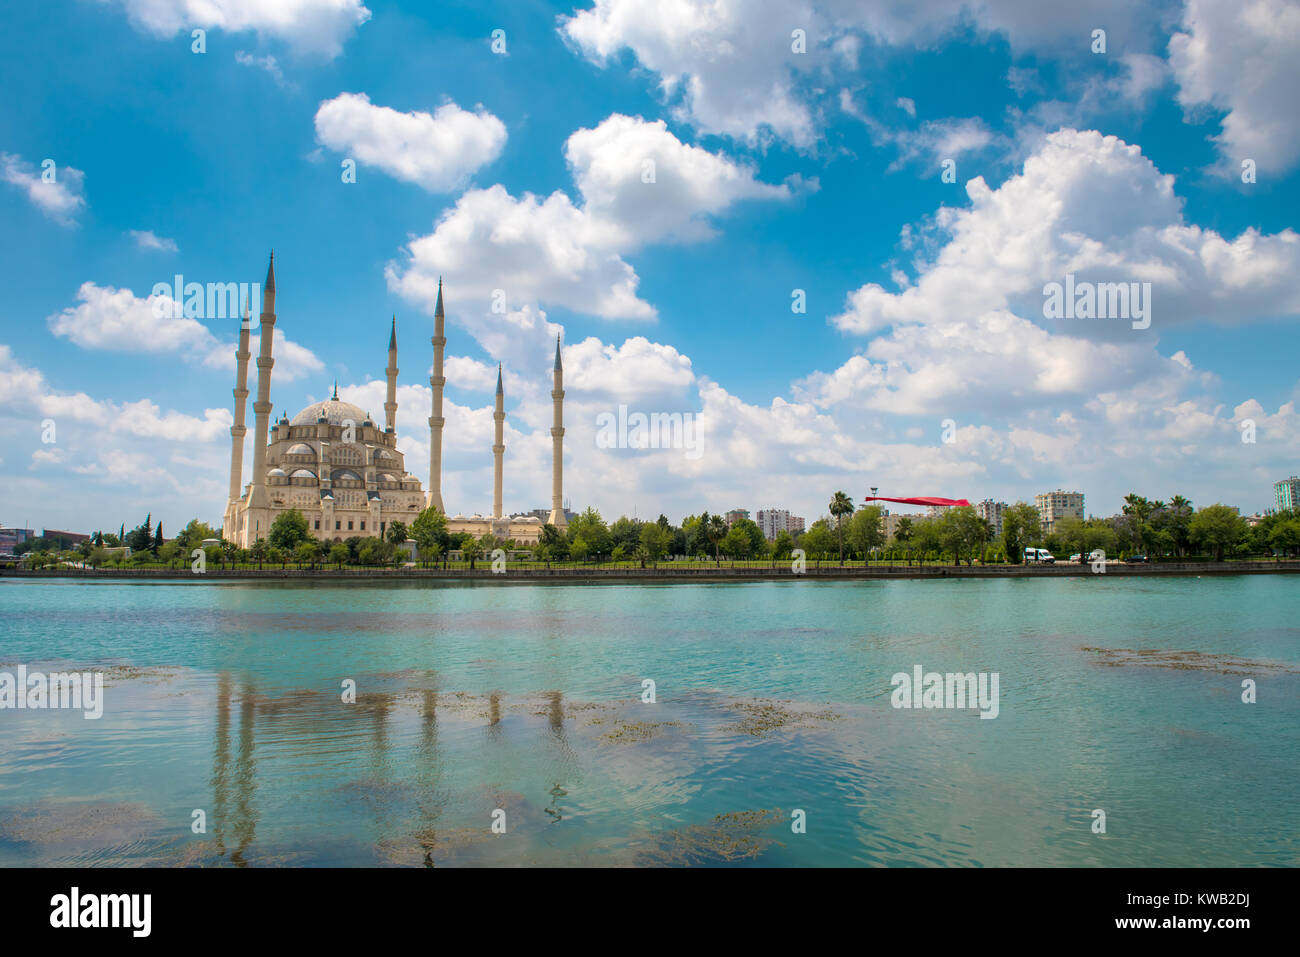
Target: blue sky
[{"x": 776, "y": 171}]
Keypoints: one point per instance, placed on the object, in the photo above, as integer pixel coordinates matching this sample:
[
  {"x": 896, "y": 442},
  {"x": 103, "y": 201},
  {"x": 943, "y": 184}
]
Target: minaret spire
[
  {"x": 258, "y": 514},
  {"x": 436, "y": 421},
  {"x": 499, "y": 447},
  {"x": 556, "y": 517},
  {"x": 268, "y": 288},
  {"x": 238, "y": 431},
  {"x": 390, "y": 403}
]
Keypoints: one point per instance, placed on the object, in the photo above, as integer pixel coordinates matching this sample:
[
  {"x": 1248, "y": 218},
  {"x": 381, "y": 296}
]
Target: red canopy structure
[{"x": 917, "y": 501}]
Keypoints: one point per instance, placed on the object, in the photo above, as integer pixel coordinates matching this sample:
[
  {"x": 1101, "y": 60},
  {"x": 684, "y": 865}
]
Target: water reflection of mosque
[{"x": 234, "y": 774}]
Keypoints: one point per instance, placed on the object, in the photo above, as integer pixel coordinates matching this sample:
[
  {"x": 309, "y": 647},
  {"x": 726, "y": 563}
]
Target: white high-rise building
[
  {"x": 992, "y": 512},
  {"x": 774, "y": 521},
  {"x": 1286, "y": 494},
  {"x": 1054, "y": 506}
]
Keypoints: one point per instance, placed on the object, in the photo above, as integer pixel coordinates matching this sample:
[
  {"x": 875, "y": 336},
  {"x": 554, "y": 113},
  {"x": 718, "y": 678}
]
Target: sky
[{"x": 825, "y": 232}]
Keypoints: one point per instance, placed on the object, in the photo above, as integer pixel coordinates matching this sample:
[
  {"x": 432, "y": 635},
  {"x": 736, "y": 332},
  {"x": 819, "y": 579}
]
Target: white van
[{"x": 1039, "y": 556}]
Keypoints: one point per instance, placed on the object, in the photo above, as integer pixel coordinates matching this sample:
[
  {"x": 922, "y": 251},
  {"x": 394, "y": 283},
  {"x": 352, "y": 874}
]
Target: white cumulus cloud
[{"x": 437, "y": 151}]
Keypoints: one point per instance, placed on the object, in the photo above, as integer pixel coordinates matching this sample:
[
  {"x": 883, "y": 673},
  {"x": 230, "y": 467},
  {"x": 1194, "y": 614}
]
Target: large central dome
[{"x": 336, "y": 412}]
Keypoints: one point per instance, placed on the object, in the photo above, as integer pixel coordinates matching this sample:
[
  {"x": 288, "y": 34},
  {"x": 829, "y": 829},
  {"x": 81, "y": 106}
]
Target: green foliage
[
  {"x": 864, "y": 532},
  {"x": 591, "y": 528},
  {"x": 191, "y": 536},
  {"x": 1021, "y": 528},
  {"x": 819, "y": 540},
  {"x": 962, "y": 532},
  {"x": 288, "y": 530},
  {"x": 1218, "y": 527},
  {"x": 655, "y": 539},
  {"x": 375, "y": 551},
  {"x": 553, "y": 545},
  {"x": 397, "y": 532},
  {"x": 430, "y": 532},
  {"x": 307, "y": 553}
]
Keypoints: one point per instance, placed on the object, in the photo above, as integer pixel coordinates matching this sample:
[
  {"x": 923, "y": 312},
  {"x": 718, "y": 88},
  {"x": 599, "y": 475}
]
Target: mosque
[{"x": 335, "y": 465}]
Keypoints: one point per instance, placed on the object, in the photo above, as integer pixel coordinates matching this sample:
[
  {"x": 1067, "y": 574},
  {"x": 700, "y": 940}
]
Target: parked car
[
  {"x": 1096, "y": 555},
  {"x": 1136, "y": 559},
  {"x": 1039, "y": 556}
]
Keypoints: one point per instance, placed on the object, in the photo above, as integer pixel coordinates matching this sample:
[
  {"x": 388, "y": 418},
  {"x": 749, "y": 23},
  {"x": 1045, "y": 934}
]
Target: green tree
[
  {"x": 307, "y": 552},
  {"x": 339, "y": 554},
  {"x": 1073, "y": 535},
  {"x": 736, "y": 544},
  {"x": 819, "y": 540},
  {"x": 1285, "y": 536},
  {"x": 1218, "y": 527},
  {"x": 783, "y": 545},
  {"x": 258, "y": 551},
  {"x": 840, "y": 506},
  {"x": 288, "y": 530},
  {"x": 626, "y": 532},
  {"x": 140, "y": 538},
  {"x": 472, "y": 550},
  {"x": 715, "y": 532},
  {"x": 864, "y": 531},
  {"x": 1021, "y": 527},
  {"x": 375, "y": 551},
  {"x": 396, "y": 532},
  {"x": 962, "y": 532},
  {"x": 430, "y": 531},
  {"x": 655, "y": 539},
  {"x": 592, "y": 529},
  {"x": 193, "y": 534},
  {"x": 1176, "y": 519},
  {"x": 553, "y": 543}
]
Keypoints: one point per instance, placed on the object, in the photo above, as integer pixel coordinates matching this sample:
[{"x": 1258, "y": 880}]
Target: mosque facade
[{"x": 344, "y": 473}]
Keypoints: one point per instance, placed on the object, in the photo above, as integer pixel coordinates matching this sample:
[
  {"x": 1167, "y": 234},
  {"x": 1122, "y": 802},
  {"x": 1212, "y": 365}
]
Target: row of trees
[{"x": 1159, "y": 529}]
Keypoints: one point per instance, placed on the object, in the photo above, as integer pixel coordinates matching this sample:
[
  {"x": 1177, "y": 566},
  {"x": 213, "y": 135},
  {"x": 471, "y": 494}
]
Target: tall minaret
[
  {"x": 499, "y": 448},
  {"x": 556, "y": 517},
  {"x": 436, "y": 421},
  {"x": 258, "y": 502},
  {"x": 390, "y": 406},
  {"x": 238, "y": 431}
]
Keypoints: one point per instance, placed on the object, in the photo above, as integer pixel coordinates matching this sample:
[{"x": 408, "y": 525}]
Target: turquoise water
[{"x": 771, "y": 698}]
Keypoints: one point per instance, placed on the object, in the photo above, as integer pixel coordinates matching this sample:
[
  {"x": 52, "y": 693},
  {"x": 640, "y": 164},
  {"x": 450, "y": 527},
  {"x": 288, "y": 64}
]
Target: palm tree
[
  {"x": 840, "y": 506},
  {"x": 715, "y": 533}
]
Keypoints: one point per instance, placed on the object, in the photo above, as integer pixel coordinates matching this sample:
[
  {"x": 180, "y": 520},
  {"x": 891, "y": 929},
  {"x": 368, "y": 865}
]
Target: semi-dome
[
  {"x": 275, "y": 473},
  {"x": 303, "y": 474},
  {"x": 302, "y": 448},
  {"x": 334, "y": 411}
]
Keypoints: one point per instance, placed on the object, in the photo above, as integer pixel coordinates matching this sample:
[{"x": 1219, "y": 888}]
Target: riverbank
[{"x": 663, "y": 573}]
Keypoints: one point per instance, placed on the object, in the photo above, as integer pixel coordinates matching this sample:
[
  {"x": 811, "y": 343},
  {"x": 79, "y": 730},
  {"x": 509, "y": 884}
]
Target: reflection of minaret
[
  {"x": 556, "y": 517},
  {"x": 390, "y": 406},
  {"x": 221, "y": 762},
  {"x": 436, "y": 421},
  {"x": 245, "y": 824},
  {"x": 499, "y": 447},
  {"x": 555, "y": 713},
  {"x": 258, "y": 525},
  {"x": 429, "y": 798}
]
